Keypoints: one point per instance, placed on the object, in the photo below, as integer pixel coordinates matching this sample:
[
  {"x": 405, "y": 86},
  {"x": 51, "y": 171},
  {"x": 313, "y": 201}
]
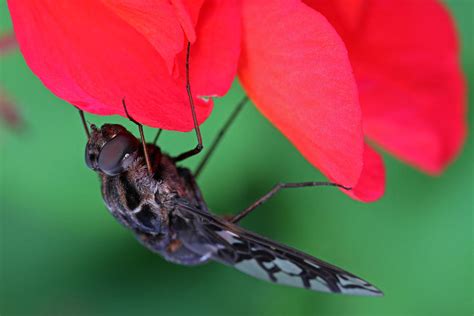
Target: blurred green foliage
[{"x": 63, "y": 254}]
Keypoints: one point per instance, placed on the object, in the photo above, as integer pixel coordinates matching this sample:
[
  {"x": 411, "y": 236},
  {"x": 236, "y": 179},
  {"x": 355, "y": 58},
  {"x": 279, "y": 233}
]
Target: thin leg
[
  {"x": 155, "y": 140},
  {"x": 142, "y": 137},
  {"x": 196, "y": 150},
  {"x": 275, "y": 190},
  {"x": 84, "y": 123},
  {"x": 221, "y": 133}
]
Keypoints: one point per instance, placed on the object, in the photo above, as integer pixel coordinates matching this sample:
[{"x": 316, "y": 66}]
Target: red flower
[{"x": 324, "y": 72}]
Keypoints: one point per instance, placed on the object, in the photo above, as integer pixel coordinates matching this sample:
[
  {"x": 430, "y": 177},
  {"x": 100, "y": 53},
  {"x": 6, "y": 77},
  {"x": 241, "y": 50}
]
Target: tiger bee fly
[{"x": 166, "y": 212}]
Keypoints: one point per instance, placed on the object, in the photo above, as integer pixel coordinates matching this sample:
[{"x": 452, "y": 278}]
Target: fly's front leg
[
  {"x": 199, "y": 146},
  {"x": 275, "y": 190},
  {"x": 84, "y": 123},
  {"x": 158, "y": 133},
  {"x": 142, "y": 137},
  {"x": 220, "y": 135}
]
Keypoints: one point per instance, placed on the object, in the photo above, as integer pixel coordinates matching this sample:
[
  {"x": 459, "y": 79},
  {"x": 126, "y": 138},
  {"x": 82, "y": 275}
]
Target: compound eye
[
  {"x": 88, "y": 159},
  {"x": 112, "y": 155}
]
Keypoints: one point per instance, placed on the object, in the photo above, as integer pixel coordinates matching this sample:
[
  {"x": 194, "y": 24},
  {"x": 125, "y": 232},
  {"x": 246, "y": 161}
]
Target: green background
[{"x": 63, "y": 254}]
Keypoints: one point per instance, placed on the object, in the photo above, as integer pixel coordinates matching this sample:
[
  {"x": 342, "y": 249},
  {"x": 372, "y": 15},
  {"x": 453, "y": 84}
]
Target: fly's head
[{"x": 111, "y": 149}]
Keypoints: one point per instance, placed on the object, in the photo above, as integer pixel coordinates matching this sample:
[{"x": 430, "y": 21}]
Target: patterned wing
[{"x": 260, "y": 257}]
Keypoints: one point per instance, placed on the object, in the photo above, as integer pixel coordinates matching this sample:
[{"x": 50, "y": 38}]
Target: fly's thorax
[
  {"x": 144, "y": 202},
  {"x": 176, "y": 182},
  {"x": 131, "y": 200}
]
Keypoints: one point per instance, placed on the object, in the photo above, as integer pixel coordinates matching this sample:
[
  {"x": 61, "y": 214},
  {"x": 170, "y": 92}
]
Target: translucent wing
[{"x": 260, "y": 257}]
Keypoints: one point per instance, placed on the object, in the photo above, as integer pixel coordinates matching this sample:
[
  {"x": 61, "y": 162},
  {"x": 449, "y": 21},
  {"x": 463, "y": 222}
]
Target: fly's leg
[
  {"x": 196, "y": 150},
  {"x": 158, "y": 133},
  {"x": 84, "y": 123},
  {"x": 235, "y": 219},
  {"x": 142, "y": 137},
  {"x": 221, "y": 133}
]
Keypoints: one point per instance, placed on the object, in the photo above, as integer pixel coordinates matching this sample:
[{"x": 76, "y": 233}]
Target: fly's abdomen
[{"x": 173, "y": 250}]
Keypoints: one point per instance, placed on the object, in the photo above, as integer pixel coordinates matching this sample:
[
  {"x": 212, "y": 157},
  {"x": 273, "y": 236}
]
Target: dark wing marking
[{"x": 260, "y": 257}]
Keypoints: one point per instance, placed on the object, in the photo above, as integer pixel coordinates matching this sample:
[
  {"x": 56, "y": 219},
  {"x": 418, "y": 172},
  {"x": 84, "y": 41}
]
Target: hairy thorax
[{"x": 145, "y": 203}]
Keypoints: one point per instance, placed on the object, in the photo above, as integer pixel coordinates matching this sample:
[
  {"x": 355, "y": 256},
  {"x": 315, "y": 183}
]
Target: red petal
[
  {"x": 406, "y": 61},
  {"x": 184, "y": 18},
  {"x": 193, "y": 8},
  {"x": 144, "y": 16},
  {"x": 371, "y": 185},
  {"x": 215, "y": 55},
  {"x": 295, "y": 68},
  {"x": 345, "y": 15},
  {"x": 86, "y": 54}
]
